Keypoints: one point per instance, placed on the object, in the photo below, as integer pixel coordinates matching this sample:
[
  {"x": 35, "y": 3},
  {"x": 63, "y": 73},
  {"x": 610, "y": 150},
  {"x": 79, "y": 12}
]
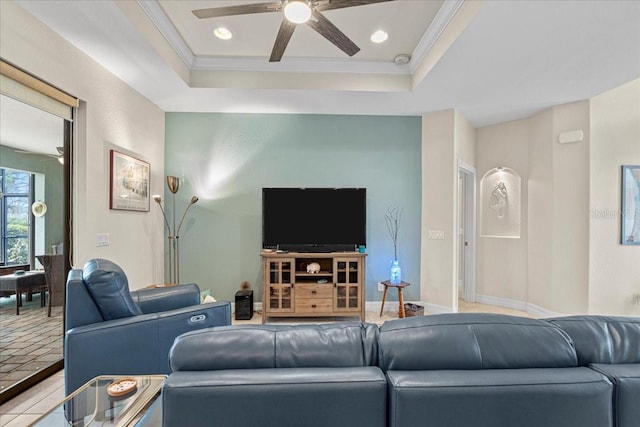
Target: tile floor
[
  {"x": 29, "y": 341},
  {"x": 25, "y": 408}
]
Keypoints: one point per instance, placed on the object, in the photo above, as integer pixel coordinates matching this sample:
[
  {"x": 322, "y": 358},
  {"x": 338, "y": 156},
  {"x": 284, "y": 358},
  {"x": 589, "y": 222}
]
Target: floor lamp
[{"x": 173, "y": 182}]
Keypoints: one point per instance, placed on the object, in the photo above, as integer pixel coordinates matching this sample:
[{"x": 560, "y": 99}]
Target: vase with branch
[{"x": 392, "y": 219}]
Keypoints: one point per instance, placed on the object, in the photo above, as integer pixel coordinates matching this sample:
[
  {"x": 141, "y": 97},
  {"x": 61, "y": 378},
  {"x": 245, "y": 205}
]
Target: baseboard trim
[
  {"x": 533, "y": 309},
  {"x": 541, "y": 312},
  {"x": 501, "y": 302}
]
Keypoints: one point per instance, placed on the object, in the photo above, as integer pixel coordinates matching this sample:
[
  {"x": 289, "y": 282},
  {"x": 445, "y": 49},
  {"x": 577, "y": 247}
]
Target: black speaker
[{"x": 244, "y": 305}]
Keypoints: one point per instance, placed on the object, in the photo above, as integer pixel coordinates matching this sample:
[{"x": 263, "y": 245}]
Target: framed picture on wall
[
  {"x": 630, "y": 222},
  {"x": 129, "y": 183}
]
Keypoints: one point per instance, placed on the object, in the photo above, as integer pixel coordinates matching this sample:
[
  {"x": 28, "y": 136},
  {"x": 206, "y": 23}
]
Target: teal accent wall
[
  {"x": 53, "y": 173},
  {"x": 226, "y": 160}
]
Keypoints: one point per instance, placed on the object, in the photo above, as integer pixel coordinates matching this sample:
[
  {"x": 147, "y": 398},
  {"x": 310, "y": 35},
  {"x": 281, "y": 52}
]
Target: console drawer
[
  {"x": 314, "y": 305},
  {"x": 313, "y": 290}
]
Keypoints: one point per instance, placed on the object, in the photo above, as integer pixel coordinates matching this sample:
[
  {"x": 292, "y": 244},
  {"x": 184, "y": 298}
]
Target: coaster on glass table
[{"x": 122, "y": 387}]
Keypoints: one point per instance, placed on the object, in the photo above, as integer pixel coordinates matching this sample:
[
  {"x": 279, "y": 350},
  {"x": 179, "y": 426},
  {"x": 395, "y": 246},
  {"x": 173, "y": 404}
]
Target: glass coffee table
[{"x": 98, "y": 404}]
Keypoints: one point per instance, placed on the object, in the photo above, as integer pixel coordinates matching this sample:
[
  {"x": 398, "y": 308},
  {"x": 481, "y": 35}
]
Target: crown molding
[
  {"x": 446, "y": 13},
  {"x": 294, "y": 65},
  {"x": 162, "y": 22},
  {"x": 203, "y": 63}
]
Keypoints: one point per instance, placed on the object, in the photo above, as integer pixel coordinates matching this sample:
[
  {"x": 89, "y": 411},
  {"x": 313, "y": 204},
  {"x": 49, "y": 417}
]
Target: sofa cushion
[
  {"x": 603, "y": 339},
  {"x": 108, "y": 286},
  {"x": 276, "y": 346},
  {"x": 294, "y": 397},
  {"x": 500, "y": 397},
  {"x": 473, "y": 341},
  {"x": 626, "y": 394}
]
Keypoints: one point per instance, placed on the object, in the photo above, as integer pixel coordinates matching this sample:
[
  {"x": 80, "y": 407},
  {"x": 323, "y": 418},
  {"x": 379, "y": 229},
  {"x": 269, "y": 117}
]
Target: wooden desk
[{"x": 400, "y": 286}]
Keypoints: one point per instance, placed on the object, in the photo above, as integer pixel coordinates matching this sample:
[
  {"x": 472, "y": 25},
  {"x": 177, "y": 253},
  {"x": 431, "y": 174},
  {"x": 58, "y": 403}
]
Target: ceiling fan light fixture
[
  {"x": 222, "y": 33},
  {"x": 379, "y": 36},
  {"x": 297, "y": 11}
]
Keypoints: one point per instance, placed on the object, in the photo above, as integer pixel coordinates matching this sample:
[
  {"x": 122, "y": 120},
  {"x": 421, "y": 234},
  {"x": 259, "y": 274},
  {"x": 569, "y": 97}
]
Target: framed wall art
[
  {"x": 129, "y": 183},
  {"x": 630, "y": 218}
]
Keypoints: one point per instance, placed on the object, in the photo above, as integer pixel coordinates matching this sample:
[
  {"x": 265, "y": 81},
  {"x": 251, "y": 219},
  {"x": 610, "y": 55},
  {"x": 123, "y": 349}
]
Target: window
[{"x": 15, "y": 192}]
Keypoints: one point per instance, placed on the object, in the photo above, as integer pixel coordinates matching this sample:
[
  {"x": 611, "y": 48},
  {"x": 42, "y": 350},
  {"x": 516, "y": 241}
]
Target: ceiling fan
[
  {"x": 59, "y": 156},
  {"x": 296, "y": 12}
]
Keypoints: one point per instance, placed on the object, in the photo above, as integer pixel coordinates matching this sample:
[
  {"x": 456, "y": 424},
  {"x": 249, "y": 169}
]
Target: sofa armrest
[
  {"x": 135, "y": 345},
  {"x": 166, "y": 298}
]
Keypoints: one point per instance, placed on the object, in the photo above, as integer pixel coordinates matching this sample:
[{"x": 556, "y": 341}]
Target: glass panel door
[
  {"x": 280, "y": 292},
  {"x": 33, "y": 175},
  {"x": 347, "y": 290}
]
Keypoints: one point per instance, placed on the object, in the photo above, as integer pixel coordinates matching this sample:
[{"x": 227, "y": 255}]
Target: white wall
[
  {"x": 569, "y": 258},
  {"x": 546, "y": 268},
  {"x": 439, "y": 185},
  {"x": 614, "y": 269},
  {"x": 539, "y": 225},
  {"x": 570, "y": 189},
  {"x": 447, "y": 139},
  {"x": 112, "y": 115},
  {"x": 502, "y": 262}
]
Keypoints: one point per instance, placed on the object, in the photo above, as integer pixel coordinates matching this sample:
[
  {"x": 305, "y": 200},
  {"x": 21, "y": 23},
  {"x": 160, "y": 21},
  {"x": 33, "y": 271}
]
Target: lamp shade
[{"x": 173, "y": 182}]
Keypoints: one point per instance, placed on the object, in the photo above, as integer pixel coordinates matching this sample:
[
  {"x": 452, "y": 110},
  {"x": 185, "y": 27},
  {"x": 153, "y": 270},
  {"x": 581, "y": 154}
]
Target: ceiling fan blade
[
  {"x": 330, "y": 32},
  {"x": 282, "y": 40},
  {"x": 19, "y": 151},
  {"x": 213, "y": 12},
  {"x": 322, "y": 5}
]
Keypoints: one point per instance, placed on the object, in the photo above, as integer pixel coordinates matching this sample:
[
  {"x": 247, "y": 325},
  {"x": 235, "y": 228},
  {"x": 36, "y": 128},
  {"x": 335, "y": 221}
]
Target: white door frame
[{"x": 469, "y": 204}]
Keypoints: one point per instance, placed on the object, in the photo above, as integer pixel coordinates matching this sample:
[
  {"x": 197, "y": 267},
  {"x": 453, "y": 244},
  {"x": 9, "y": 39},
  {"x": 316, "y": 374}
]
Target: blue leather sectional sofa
[{"x": 441, "y": 370}]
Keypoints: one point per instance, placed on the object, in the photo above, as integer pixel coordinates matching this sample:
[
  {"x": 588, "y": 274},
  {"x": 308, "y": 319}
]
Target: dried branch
[{"x": 392, "y": 219}]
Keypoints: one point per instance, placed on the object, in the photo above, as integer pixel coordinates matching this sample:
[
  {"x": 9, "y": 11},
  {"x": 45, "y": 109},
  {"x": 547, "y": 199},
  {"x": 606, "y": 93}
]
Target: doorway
[
  {"x": 35, "y": 229},
  {"x": 466, "y": 239}
]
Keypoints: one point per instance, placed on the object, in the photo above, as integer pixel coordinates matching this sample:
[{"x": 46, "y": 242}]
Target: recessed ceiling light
[
  {"x": 222, "y": 33},
  {"x": 297, "y": 11},
  {"x": 379, "y": 36}
]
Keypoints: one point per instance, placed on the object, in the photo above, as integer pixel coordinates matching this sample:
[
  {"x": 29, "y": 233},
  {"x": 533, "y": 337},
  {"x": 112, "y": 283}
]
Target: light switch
[
  {"x": 436, "y": 234},
  {"x": 102, "y": 239}
]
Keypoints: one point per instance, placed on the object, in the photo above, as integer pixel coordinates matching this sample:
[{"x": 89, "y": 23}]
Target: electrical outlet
[
  {"x": 102, "y": 239},
  {"x": 380, "y": 287}
]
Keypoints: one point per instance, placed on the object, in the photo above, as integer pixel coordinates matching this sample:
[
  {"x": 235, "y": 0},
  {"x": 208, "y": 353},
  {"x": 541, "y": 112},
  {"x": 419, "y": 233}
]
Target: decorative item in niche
[
  {"x": 498, "y": 200},
  {"x": 129, "y": 183},
  {"x": 630, "y": 222},
  {"x": 173, "y": 182},
  {"x": 392, "y": 219},
  {"x": 500, "y": 203}
]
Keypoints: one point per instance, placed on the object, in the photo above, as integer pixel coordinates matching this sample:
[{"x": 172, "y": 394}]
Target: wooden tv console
[{"x": 338, "y": 289}]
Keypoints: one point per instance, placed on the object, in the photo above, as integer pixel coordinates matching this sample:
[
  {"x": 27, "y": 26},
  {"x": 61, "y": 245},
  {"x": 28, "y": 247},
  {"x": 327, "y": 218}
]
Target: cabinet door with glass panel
[
  {"x": 348, "y": 284},
  {"x": 279, "y": 285}
]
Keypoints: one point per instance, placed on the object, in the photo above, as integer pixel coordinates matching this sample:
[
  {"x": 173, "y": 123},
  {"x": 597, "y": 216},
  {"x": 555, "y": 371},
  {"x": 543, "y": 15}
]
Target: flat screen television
[{"x": 314, "y": 219}]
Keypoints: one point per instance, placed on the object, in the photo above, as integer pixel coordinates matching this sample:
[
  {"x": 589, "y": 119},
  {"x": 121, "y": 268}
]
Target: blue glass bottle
[{"x": 395, "y": 273}]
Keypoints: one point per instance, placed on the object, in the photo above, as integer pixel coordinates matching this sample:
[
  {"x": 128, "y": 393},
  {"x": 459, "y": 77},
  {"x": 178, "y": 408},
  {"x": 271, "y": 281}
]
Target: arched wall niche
[{"x": 500, "y": 207}]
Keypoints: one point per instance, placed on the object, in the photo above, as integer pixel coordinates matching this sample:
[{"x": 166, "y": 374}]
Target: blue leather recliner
[{"x": 111, "y": 331}]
